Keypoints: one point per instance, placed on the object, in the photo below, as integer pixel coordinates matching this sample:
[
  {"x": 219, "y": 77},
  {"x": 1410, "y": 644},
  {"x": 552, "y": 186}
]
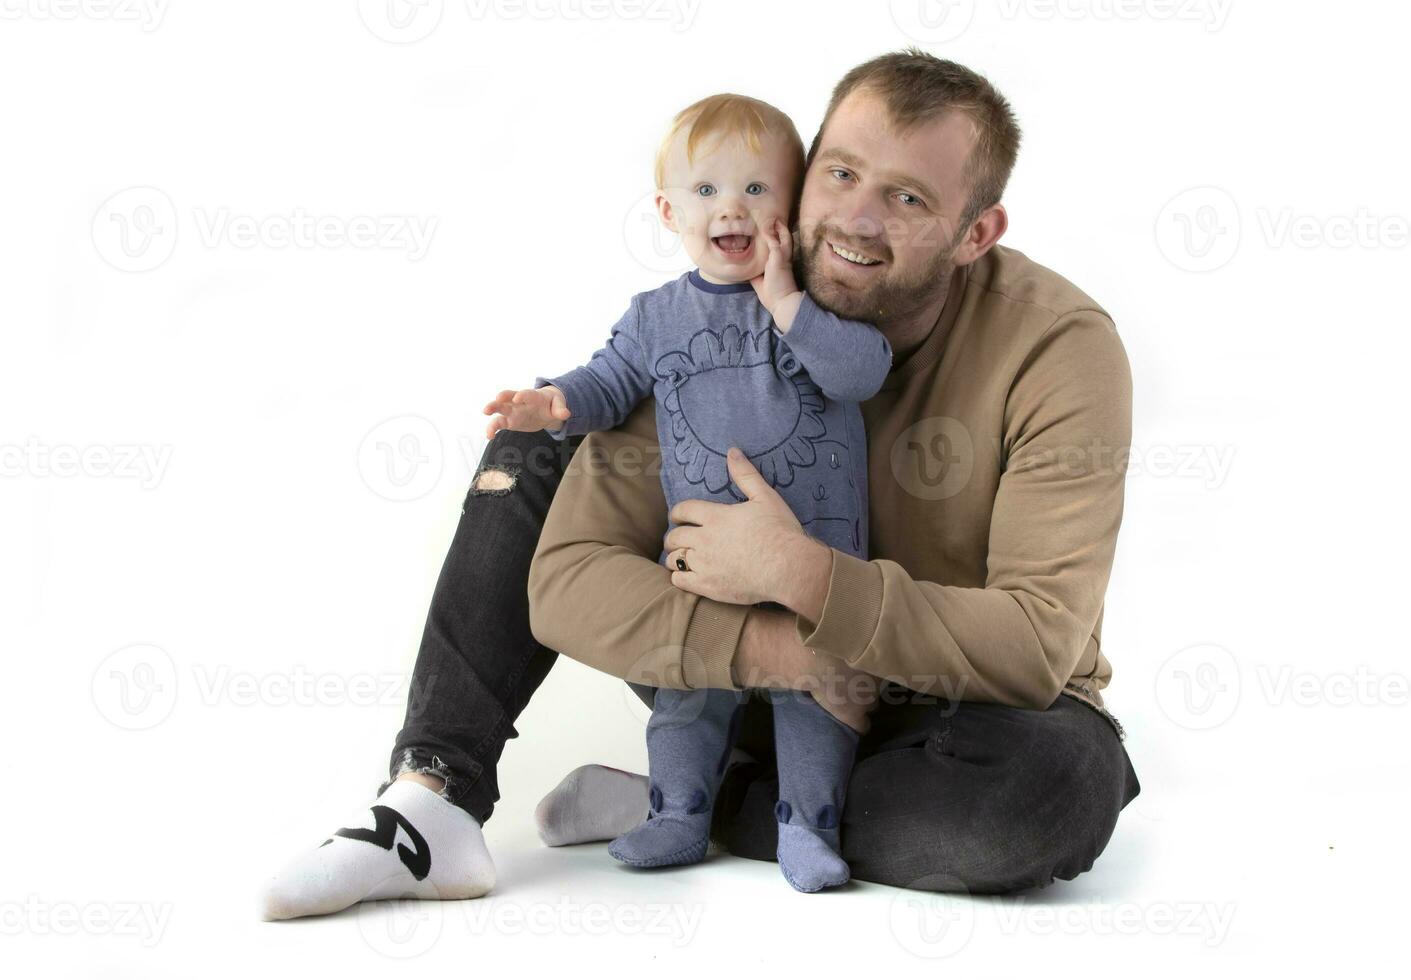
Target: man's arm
[
  {"x": 596, "y": 590},
  {"x": 1053, "y": 533},
  {"x": 598, "y": 595}
]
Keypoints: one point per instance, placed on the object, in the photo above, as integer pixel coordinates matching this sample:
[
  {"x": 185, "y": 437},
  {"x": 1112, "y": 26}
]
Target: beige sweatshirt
[{"x": 997, "y": 454}]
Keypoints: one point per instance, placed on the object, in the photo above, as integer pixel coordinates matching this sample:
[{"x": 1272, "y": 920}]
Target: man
[{"x": 996, "y": 483}]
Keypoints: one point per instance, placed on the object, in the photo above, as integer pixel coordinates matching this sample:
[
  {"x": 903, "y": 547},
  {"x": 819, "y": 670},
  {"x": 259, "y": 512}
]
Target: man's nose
[{"x": 859, "y": 218}]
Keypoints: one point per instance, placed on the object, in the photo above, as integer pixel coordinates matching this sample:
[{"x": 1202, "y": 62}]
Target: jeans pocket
[{"x": 931, "y": 739}]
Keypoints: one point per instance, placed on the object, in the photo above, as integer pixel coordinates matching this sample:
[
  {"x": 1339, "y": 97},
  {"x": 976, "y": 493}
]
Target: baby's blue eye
[
  {"x": 755, "y": 189},
  {"x": 705, "y": 190}
]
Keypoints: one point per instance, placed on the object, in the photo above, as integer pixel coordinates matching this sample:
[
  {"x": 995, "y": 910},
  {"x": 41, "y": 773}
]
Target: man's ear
[
  {"x": 982, "y": 236},
  {"x": 666, "y": 213}
]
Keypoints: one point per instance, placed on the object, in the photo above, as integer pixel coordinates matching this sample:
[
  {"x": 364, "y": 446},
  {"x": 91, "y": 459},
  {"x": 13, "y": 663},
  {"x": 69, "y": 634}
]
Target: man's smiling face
[{"x": 880, "y": 212}]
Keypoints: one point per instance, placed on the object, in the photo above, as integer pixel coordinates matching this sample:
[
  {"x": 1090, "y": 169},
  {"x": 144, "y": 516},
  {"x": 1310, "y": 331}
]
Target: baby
[{"x": 736, "y": 355}]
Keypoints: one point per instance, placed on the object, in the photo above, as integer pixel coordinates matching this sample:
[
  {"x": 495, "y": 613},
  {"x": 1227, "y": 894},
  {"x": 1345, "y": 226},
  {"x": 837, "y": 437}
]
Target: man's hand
[
  {"x": 528, "y": 410},
  {"x": 775, "y": 287},
  {"x": 753, "y": 551}
]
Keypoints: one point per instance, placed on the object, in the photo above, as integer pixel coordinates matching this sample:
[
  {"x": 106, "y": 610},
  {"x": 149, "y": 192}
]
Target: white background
[{"x": 1227, "y": 179}]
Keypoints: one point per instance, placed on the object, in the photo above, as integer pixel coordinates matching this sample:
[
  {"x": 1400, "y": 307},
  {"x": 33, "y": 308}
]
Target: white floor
[{"x": 159, "y": 868}]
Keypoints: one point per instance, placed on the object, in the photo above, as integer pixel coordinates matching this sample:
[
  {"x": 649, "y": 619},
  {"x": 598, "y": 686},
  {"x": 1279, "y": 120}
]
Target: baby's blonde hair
[{"x": 723, "y": 116}]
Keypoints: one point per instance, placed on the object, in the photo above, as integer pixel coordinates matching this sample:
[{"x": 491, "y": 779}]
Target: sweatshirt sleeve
[
  {"x": 1017, "y": 640},
  {"x": 848, "y": 360},
  {"x": 597, "y": 592},
  {"x": 601, "y": 393}
]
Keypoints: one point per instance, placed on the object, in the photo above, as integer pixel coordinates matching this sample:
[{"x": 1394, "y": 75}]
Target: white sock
[
  {"x": 413, "y": 843},
  {"x": 592, "y": 803}
]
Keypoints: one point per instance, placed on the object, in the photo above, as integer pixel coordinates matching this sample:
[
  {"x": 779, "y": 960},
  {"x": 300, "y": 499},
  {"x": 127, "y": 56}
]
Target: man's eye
[
  {"x": 706, "y": 190},
  {"x": 910, "y": 200},
  {"x": 755, "y": 189}
]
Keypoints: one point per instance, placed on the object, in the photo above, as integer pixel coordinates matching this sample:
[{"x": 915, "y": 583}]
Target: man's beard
[{"x": 889, "y": 299}]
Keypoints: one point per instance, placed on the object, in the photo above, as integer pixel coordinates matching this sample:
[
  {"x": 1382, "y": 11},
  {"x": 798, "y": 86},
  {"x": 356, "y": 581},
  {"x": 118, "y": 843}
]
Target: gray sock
[
  {"x": 592, "y": 803},
  {"x": 815, "y": 754},
  {"x": 688, "y": 746}
]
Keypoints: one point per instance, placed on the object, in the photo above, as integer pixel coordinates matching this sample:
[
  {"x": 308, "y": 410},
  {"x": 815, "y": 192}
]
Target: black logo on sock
[{"x": 384, "y": 835}]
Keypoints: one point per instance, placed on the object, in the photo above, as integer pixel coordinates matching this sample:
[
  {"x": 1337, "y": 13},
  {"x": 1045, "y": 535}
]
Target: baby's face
[{"x": 719, "y": 202}]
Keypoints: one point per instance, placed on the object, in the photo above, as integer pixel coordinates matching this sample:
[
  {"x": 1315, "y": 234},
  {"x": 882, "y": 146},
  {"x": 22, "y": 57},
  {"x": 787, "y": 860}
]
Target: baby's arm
[
  {"x": 598, "y": 395},
  {"x": 847, "y": 359}
]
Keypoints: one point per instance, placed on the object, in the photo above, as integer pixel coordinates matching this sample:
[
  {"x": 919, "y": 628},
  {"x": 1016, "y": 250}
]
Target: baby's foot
[
  {"x": 810, "y": 857},
  {"x": 409, "y": 842},
  {"x": 664, "y": 840}
]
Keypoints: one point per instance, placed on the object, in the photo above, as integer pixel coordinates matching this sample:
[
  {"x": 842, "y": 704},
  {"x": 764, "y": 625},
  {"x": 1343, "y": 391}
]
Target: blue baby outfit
[{"x": 723, "y": 375}]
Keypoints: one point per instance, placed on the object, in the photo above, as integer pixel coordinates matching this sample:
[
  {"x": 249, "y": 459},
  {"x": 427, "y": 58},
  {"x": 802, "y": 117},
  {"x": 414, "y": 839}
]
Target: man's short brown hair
[{"x": 918, "y": 87}]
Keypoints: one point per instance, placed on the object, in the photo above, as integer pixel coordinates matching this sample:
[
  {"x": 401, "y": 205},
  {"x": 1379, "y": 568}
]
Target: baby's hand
[
  {"x": 528, "y": 410},
  {"x": 776, "y": 288}
]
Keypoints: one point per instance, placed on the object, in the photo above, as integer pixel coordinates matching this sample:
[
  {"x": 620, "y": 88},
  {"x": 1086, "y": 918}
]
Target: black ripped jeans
[{"x": 944, "y": 796}]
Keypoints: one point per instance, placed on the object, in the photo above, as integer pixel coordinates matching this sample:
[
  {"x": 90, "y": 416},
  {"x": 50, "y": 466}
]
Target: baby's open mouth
[{"x": 733, "y": 244}]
